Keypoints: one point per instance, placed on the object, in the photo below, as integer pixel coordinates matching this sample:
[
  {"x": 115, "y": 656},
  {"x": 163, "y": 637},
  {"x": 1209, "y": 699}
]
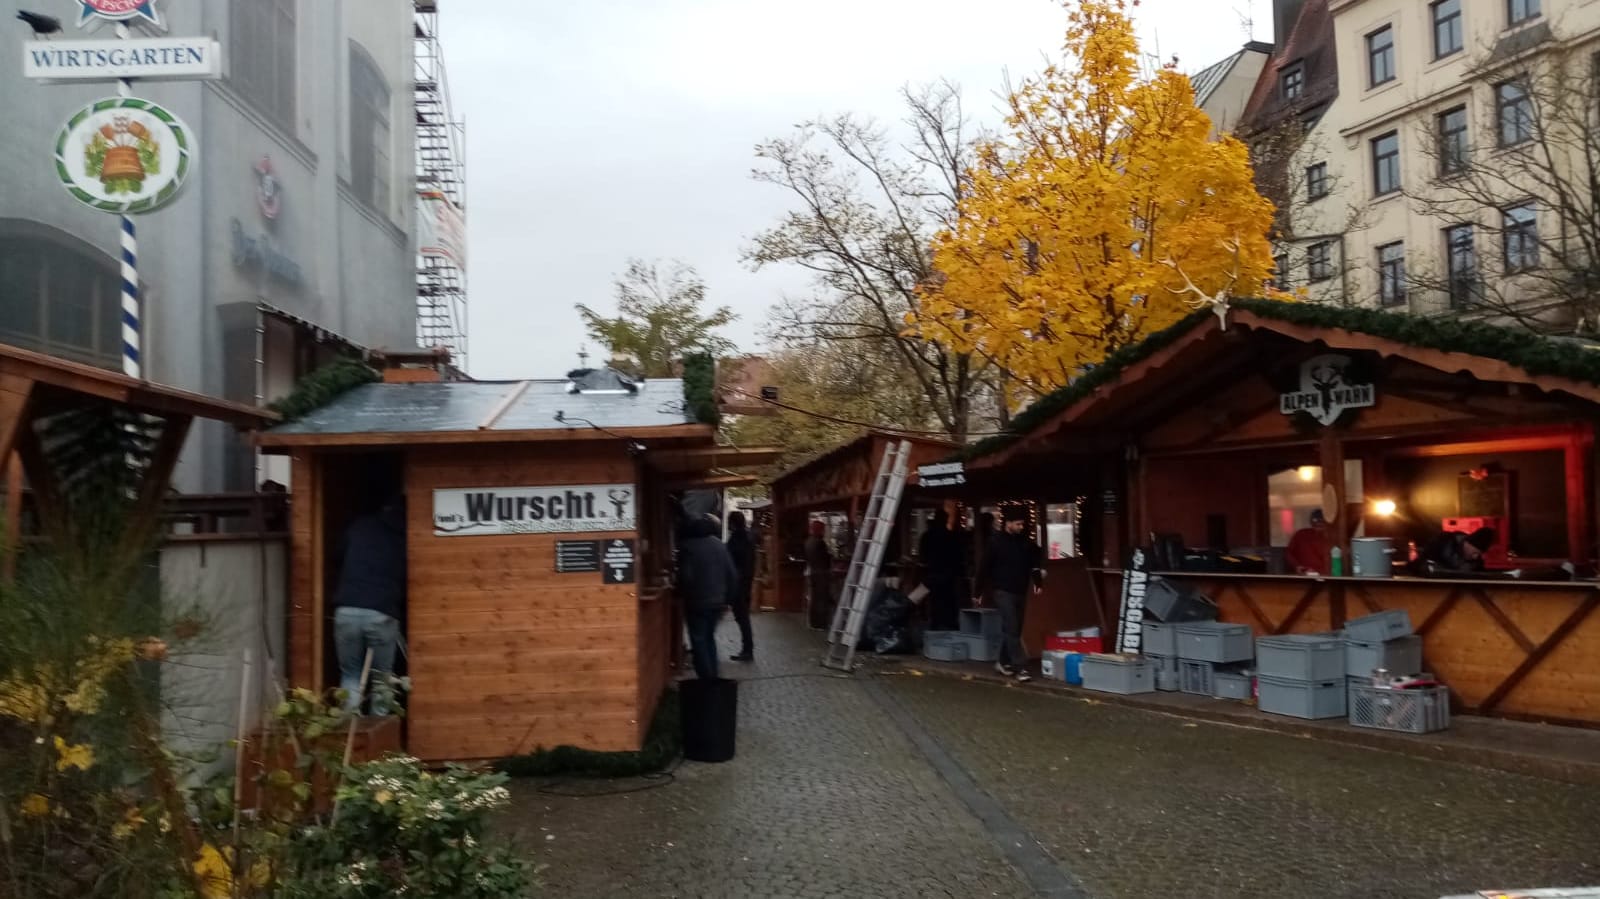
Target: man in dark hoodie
[
  {"x": 1011, "y": 567},
  {"x": 706, "y": 583},
  {"x": 371, "y": 598},
  {"x": 742, "y": 549}
]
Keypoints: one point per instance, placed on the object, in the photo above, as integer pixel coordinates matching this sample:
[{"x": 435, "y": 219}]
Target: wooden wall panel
[
  {"x": 507, "y": 655},
  {"x": 1182, "y": 492},
  {"x": 655, "y": 657},
  {"x": 305, "y": 571}
]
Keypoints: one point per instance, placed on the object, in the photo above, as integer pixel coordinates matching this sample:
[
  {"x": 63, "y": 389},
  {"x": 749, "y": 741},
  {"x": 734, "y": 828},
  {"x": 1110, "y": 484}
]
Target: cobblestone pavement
[
  {"x": 825, "y": 798},
  {"x": 1142, "y": 804},
  {"x": 829, "y": 797}
]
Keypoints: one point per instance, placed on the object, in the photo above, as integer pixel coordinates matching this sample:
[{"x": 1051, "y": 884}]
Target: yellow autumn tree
[{"x": 1087, "y": 224}]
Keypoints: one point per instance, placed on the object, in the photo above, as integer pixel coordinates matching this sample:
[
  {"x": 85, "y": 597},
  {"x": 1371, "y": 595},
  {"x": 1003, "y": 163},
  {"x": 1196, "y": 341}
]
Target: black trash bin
[{"x": 710, "y": 711}]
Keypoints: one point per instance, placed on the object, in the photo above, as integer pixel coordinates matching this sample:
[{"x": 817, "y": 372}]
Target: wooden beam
[
  {"x": 1255, "y": 609},
  {"x": 1331, "y": 454},
  {"x": 712, "y": 482},
  {"x": 1543, "y": 650},
  {"x": 1439, "y": 611},
  {"x": 1500, "y": 618},
  {"x": 47, "y": 496},
  {"x": 1299, "y": 609},
  {"x": 397, "y": 439}
]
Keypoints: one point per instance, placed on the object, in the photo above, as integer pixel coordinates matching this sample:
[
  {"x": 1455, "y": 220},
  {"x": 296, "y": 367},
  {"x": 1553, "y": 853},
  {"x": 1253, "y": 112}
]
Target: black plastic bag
[
  {"x": 897, "y": 641},
  {"x": 890, "y": 610}
]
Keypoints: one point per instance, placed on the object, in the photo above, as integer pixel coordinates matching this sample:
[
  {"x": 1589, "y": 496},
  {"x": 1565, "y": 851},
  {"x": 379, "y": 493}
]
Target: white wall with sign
[{"x": 567, "y": 509}]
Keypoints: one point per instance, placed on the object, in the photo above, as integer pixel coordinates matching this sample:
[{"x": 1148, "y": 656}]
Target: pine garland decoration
[
  {"x": 662, "y": 746},
  {"x": 323, "y": 386},
  {"x": 1533, "y": 353}
]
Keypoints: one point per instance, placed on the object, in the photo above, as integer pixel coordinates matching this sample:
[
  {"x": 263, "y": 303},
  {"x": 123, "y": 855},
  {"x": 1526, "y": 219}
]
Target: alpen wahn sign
[{"x": 482, "y": 511}]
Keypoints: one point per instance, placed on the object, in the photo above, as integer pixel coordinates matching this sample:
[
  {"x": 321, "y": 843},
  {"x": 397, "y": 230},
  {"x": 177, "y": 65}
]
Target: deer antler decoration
[{"x": 1218, "y": 303}]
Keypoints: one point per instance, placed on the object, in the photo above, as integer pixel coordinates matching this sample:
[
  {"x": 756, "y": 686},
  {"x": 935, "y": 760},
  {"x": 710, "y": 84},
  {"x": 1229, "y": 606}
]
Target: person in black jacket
[
  {"x": 742, "y": 549},
  {"x": 1011, "y": 567},
  {"x": 942, "y": 556},
  {"x": 369, "y": 601},
  {"x": 706, "y": 583}
]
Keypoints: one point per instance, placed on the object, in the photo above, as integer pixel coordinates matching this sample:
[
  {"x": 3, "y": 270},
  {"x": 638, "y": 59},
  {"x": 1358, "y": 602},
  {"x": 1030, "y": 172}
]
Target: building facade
[
  {"x": 1451, "y": 170},
  {"x": 293, "y": 238}
]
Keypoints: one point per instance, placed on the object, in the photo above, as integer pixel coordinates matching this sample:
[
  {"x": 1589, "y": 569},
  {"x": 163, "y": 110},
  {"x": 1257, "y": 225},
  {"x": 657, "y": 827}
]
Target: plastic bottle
[{"x": 1337, "y": 557}]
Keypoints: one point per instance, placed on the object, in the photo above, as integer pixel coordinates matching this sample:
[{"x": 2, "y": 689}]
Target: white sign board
[
  {"x": 481, "y": 511},
  {"x": 441, "y": 229},
  {"x": 147, "y": 59},
  {"x": 945, "y": 474},
  {"x": 1326, "y": 392}
]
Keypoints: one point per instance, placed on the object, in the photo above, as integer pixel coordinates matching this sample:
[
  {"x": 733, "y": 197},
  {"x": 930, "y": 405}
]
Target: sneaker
[
  {"x": 1004, "y": 669},
  {"x": 743, "y": 657},
  {"x": 1023, "y": 677}
]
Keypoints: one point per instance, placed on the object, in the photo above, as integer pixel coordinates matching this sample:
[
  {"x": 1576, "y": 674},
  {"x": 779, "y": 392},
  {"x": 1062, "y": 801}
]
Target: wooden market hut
[
  {"x": 836, "y": 483},
  {"x": 1398, "y": 426},
  {"x": 540, "y": 519}
]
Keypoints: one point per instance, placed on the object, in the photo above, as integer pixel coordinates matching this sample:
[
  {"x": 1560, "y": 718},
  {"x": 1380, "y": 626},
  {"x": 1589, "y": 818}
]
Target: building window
[
  {"x": 1319, "y": 261},
  {"x": 1294, "y": 81},
  {"x": 1461, "y": 263},
  {"x": 1317, "y": 181},
  {"x": 1453, "y": 140},
  {"x": 58, "y": 299},
  {"x": 1386, "y": 163},
  {"x": 1520, "y": 228},
  {"x": 262, "y": 51},
  {"x": 1447, "y": 38},
  {"x": 1519, "y": 11},
  {"x": 1392, "y": 274},
  {"x": 1514, "y": 112},
  {"x": 1380, "y": 56},
  {"x": 1280, "y": 271},
  {"x": 370, "y": 166}
]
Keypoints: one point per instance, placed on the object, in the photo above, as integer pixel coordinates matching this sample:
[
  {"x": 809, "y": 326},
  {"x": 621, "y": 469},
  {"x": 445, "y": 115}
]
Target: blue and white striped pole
[{"x": 131, "y": 362}]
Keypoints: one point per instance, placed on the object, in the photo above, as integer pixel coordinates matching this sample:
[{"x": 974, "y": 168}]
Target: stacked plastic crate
[
  {"x": 981, "y": 631},
  {"x": 1301, "y": 675},
  {"x": 1167, "y": 606},
  {"x": 1213, "y": 658},
  {"x": 1386, "y": 688}
]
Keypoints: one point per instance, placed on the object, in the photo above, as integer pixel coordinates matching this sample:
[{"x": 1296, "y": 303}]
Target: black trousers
[
  {"x": 741, "y": 615},
  {"x": 1013, "y": 607},
  {"x": 944, "y": 603},
  {"x": 703, "y": 640}
]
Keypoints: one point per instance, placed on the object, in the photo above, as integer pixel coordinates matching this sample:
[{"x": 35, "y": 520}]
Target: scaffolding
[{"x": 441, "y": 166}]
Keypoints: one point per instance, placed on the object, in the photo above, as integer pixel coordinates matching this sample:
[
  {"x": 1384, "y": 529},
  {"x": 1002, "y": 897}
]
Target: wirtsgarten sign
[{"x": 147, "y": 59}]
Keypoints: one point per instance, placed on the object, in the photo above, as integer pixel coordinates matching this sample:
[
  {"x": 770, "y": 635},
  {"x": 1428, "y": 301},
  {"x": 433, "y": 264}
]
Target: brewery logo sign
[
  {"x": 118, "y": 11},
  {"x": 123, "y": 155},
  {"x": 269, "y": 190},
  {"x": 474, "y": 511},
  {"x": 1327, "y": 390}
]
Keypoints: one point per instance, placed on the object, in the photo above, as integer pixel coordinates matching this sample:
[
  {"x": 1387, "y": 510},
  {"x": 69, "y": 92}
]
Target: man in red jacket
[{"x": 1308, "y": 551}]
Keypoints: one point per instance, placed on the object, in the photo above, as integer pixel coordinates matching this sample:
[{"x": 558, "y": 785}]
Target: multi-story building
[
  {"x": 294, "y": 236},
  {"x": 1222, "y": 89},
  {"x": 1452, "y": 170}
]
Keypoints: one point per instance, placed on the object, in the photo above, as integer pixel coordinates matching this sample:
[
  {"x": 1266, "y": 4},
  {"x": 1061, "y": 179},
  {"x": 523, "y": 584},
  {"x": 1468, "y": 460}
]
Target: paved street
[{"x": 927, "y": 786}]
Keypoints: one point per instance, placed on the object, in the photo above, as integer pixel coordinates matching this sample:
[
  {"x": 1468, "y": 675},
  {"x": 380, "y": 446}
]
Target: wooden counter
[{"x": 1510, "y": 648}]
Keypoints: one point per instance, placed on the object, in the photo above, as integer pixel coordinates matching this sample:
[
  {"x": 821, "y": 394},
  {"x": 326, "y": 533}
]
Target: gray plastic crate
[
  {"x": 944, "y": 646},
  {"x": 981, "y": 622},
  {"x": 1379, "y": 626},
  {"x": 1196, "y": 677},
  {"x": 1399, "y": 656},
  {"x": 1301, "y": 699},
  {"x": 1230, "y": 685},
  {"x": 1160, "y": 639},
  {"x": 1421, "y": 711},
  {"x": 1167, "y": 681},
  {"x": 1317, "y": 657},
  {"x": 1214, "y": 641},
  {"x": 1168, "y": 664},
  {"x": 1118, "y": 674},
  {"x": 1166, "y": 601},
  {"x": 981, "y": 649}
]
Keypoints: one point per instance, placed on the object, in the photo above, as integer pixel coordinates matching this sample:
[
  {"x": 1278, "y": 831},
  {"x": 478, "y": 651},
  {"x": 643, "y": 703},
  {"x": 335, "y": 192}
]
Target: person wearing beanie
[
  {"x": 1011, "y": 568},
  {"x": 742, "y": 548},
  {"x": 1456, "y": 552}
]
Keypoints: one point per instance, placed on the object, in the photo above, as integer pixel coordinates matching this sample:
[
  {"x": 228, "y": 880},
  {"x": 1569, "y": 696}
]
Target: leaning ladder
[{"x": 876, "y": 526}]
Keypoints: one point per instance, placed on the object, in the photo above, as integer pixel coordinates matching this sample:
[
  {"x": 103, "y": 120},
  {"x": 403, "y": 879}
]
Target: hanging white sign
[
  {"x": 481, "y": 511},
  {"x": 147, "y": 59},
  {"x": 441, "y": 229},
  {"x": 123, "y": 155}
]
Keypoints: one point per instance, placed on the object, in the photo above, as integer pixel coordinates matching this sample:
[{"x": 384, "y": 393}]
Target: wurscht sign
[{"x": 482, "y": 511}]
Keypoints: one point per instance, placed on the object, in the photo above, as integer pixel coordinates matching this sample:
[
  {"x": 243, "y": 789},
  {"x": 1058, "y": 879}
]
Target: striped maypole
[{"x": 130, "y": 266}]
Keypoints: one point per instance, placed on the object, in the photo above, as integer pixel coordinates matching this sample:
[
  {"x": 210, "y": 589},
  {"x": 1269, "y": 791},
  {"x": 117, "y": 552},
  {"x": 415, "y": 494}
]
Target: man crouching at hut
[
  {"x": 706, "y": 584},
  {"x": 370, "y": 601},
  {"x": 1011, "y": 566}
]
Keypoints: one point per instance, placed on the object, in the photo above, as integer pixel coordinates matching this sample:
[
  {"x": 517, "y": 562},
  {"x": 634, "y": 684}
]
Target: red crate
[{"x": 1073, "y": 644}]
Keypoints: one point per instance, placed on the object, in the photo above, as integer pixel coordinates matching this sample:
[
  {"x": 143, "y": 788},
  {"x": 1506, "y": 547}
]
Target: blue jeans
[
  {"x": 703, "y": 640},
  {"x": 355, "y": 631}
]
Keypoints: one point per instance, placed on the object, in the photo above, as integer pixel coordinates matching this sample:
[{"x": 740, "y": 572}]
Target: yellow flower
[
  {"x": 216, "y": 879},
  {"x": 35, "y": 806},
  {"x": 24, "y": 702},
  {"x": 80, "y": 755},
  {"x": 131, "y": 821},
  {"x": 382, "y": 797}
]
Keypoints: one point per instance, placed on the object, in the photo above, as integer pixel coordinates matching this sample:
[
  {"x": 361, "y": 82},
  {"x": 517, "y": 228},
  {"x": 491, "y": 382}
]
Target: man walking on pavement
[
  {"x": 1010, "y": 569},
  {"x": 742, "y": 549},
  {"x": 369, "y": 602},
  {"x": 706, "y": 583}
]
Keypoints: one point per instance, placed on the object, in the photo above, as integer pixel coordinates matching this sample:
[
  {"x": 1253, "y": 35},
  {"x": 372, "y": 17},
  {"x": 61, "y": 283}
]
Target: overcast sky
[{"x": 600, "y": 131}]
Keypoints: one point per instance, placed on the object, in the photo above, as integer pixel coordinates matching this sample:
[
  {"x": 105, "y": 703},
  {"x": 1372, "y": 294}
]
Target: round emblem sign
[
  {"x": 118, "y": 10},
  {"x": 123, "y": 155},
  {"x": 269, "y": 196}
]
